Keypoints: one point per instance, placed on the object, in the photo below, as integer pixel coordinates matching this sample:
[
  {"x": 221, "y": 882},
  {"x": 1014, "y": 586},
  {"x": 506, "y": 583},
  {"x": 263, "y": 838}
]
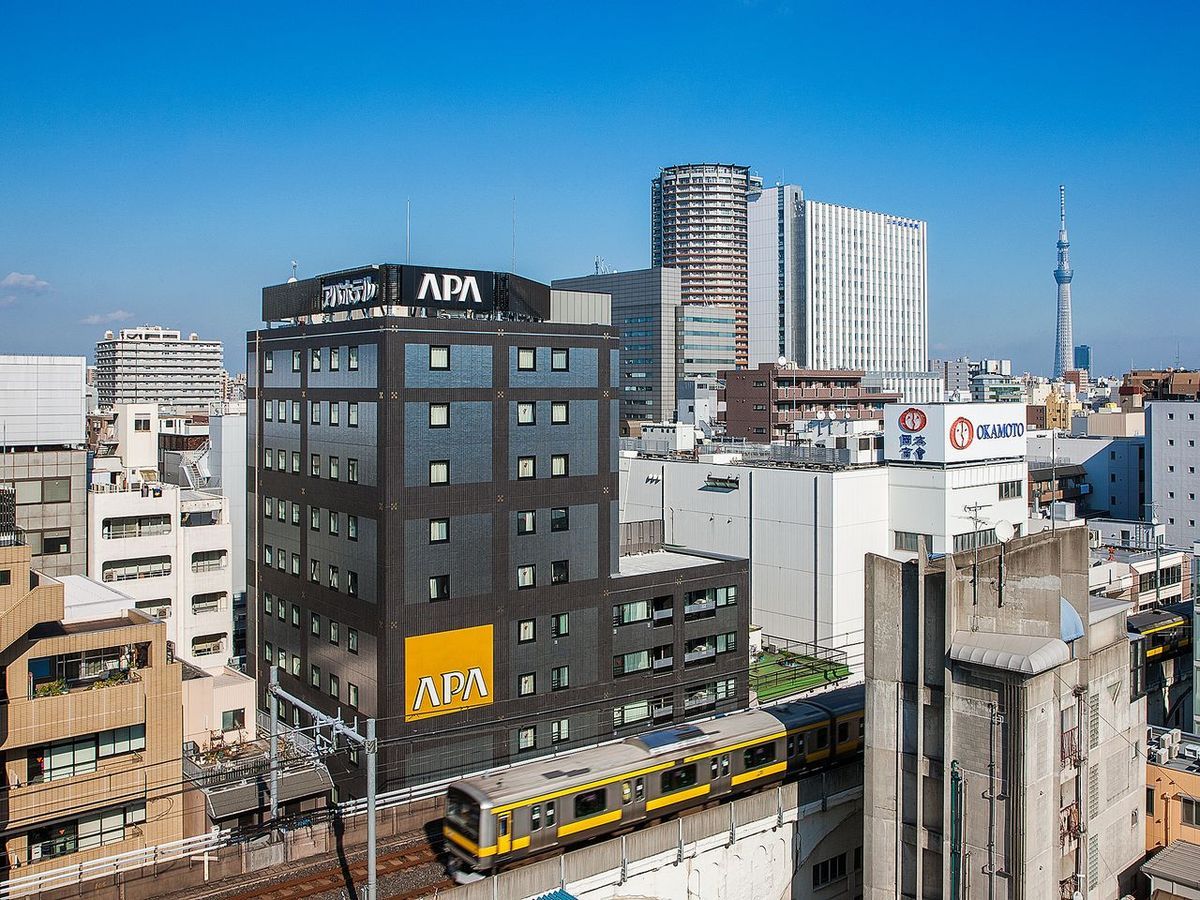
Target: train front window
[
  {"x": 463, "y": 813},
  {"x": 678, "y": 779}
]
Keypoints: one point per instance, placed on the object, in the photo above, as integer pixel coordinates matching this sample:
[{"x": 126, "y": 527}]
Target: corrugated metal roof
[
  {"x": 1179, "y": 864},
  {"x": 1024, "y": 654}
]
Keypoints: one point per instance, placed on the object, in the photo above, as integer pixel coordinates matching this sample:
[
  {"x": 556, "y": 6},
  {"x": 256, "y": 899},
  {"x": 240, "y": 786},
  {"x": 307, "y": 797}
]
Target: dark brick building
[{"x": 436, "y": 535}]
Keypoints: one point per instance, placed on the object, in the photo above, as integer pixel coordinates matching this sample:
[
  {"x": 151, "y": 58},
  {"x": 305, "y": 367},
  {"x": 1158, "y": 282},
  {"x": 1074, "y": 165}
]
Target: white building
[
  {"x": 42, "y": 401},
  {"x": 169, "y": 549},
  {"x": 775, "y": 219},
  {"x": 1173, "y": 467},
  {"x": 156, "y": 364}
]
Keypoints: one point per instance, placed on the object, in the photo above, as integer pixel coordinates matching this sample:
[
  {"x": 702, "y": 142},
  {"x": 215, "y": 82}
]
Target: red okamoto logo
[
  {"x": 912, "y": 419},
  {"x": 962, "y": 432}
]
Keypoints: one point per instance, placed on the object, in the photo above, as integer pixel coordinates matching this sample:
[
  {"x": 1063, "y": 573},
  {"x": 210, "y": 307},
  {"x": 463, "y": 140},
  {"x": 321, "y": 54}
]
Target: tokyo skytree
[{"x": 1063, "y": 347}]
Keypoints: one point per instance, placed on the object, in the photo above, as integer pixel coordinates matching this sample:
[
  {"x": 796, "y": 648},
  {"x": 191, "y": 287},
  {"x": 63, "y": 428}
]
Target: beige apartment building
[{"x": 90, "y": 726}]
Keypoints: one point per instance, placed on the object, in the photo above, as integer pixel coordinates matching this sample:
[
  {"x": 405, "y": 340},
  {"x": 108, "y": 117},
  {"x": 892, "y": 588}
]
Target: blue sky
[{"x": 160, "y": 163}]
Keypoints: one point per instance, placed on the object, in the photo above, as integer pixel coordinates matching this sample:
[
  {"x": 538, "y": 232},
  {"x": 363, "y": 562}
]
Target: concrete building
[
  {"x": 447, "y": 558},
  {"x": 776, "y": 272},
  {"x": 1001, "y": 758},
  {"x": 768, "y": 403},
  {"x": 644, "y": 307},
  {"x": 706, "y": 340},
  {"x": 91, "y": 729},
  {"x": 955, "y": 375},
  {"x": 1172, "y": 789},
  {"x": 698, "y": 224},
  {"x": 1173, "y": 467},
  {"x": 696, "y": 402},
  {"x": 1114, "y": 471},
  {"x": 42, "y": 457},
  {"x": 1163, "y": 384},
  {"x": 1109, "y": 422},
  {"x": 152, "y": 364}
]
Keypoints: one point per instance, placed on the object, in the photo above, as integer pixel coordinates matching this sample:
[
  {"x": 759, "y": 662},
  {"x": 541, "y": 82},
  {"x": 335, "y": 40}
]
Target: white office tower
[
  {"x": 839, "y": 288},
  {"x": 152, "y": 364}
]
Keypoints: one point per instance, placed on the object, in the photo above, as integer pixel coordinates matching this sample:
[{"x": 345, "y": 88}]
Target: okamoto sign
[
  {"x": 447, "y": 672},
  {"x": 946, "y": 433}
]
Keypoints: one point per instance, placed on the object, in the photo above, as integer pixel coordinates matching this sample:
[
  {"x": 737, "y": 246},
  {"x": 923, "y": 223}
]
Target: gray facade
[
  {"x": 51, "y": 492},
  {"x": 1173, "y": 459},
  {"x": 644, "y": 305},
  {"x": 1116, "y": 471},
  {"x": 484, "y": 501}
]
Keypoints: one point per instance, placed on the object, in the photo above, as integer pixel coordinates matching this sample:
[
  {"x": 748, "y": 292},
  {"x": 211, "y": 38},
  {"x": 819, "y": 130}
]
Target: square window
[
  {"x": 439, "y": 587},
  {"x": 526, "y": 467},
  {"x": 352, "y": 415},
  {"x": 560, "y": 359},
  {"x": 560, "y": 625},
  {"x": 559, "y": 678},
  {"x": 439, "y": 471},
  {"x": 335, "y": 468},
  {"x": 268, "y": 605},
  {"x": 560, "y": 518},
  {"x": 560, "y": 571},
  {"x": 335, "y": 358},
  {"x": 526, "y": 359},
  {"x": 439, "y": 358},
  {"x": 526, "y": 685},
  {"x": 526, "y": 631},
  {"x": 439, "y": 415},
  {"x": 439, "y": 531},
  {"x": 560, "y": 465},
  {"x": 559, "y": 412},
  {"x": 352, "y": 640},
  {"x": 267, "y": 651},
  {"x": 526, "y": 522},
  {"x": 525, "y": 577},
  {"x": 560, "y": 731},
  {"x": 526, "y": 738},
  {"x": 314, "y": 362},
  {"x": 352, "y": 471},
  {"x": 526, "y": 413},
  {"x": 352, "y": 359},
  {"x": 296, "y": 360}
]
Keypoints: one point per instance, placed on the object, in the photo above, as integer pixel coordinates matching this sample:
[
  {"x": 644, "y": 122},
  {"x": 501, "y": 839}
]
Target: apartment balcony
[
  {"x": 1071, "y": 748},
  {"x": 71, "y": 711},
  {"x": 700, "y": 655},
  {"x": 663, "y": 665},
  {"x": 120, "y": 777}
]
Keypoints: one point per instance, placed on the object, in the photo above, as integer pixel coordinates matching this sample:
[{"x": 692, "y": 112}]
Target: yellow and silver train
[{"x": 497, "y": 819}]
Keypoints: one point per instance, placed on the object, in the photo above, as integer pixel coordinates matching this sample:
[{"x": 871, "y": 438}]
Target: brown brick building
[{"x": 761, "y": 404}]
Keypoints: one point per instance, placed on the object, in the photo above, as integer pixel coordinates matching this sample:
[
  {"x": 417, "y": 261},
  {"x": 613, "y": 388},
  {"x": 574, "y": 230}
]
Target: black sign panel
[{"x": 457, "y": 289}]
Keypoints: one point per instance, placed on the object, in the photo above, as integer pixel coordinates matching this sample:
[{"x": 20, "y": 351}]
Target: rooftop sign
[{"x": 947, "y": 433}]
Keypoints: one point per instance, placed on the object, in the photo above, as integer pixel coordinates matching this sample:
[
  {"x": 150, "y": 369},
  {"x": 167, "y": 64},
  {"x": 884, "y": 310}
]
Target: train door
[{"x": 503, "y": 833}]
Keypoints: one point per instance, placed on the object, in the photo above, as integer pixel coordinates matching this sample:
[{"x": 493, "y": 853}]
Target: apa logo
[
  {"x": 447, "y": 672},
  {"x": 913, "y": 419},
  {"x": 962, "y": 432},
  {"x": 449, "y": 288},
  {"x": 454, "y": 686}
]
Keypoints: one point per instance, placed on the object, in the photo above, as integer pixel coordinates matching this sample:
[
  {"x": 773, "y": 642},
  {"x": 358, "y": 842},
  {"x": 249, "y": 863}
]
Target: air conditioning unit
[
  {"x": 1191, "y": 751},
  {"x": 1162, "y": 756},
  {"x": 1095, "y": 539}
]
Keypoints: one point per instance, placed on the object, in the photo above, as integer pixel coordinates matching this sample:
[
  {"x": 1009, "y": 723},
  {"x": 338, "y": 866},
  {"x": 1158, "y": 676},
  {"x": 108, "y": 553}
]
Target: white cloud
[
  {"x": 16, "y": 285},
  {"x": 117, "y": 315}
]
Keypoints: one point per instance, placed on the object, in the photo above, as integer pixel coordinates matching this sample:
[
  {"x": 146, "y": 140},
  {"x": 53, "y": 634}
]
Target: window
[
  {"x": 281, "y": 609},
  {"x": 829, "y": 870},
  {"x": 560, "y": 465},
  {"x": 269, "y": 362},
  {"x": 526, "y": 631},
  {"x": 526, "y": 467},
  {"x": 335, "y": 688},
  {"x": 560, "y": 571},
  {"x": 535, "y": 817},
  {"x": 295, "y": 360},
  {"x": 268, "y": 410},
  {"x": 314, "y": 676},
  {"x": 352, "y": 359},
  {"x": 560, "y": 625},
  {"x": 295, "y": 616},
  {"x": 352, "y": 471},
  {"x": 335, "y": 525},
  {"x": 351, "y": 527},
  {"x": 761, "y": 755},
  {"x": 334, "y": 632},
  {"x": 526, "y": 738},
  {"x": 627, "y": 663},
  {"x": 281, "y": 460},
  {"x": 352, "y": 415},
  {"x": 526, "y": 413},
  {"x": 55, "y": 542},
  {"x": 526, "y": 521},
  {"x": 526, "y": 684},
  {"x": 352, "y": 640},
  {"x": 1189, "y": 812},
  {"x": 560, "y": 678},
  {"x": 439, "y": 587},
  {"x": 439, "y": 471},
  {"x": 315, "y": 624},
  {"x": 296, "y": 564},
  {"x": 352, "y": 583},
  {"x": 630, "y": 612},
  {"x": 267, "y": 651},
  {"x": 678, "y": 779},
  {"x": 560, "y": 518},
  {"x": 314, "y": 570},
  {"x": 560, "y": 359},
  {"x": 727, "y": 642},
  {"x": 314, "y": 363},
  {"x": 526, "y": 578},
  {"x": 560, "y": 731},
  {"x": 233, "y": 720},
  {"x": 335, "y": 413},
  {"x": 295, "y": 512},
  {"x": 558, "y": 412},
  {"x": 314, "y": 412},
  {"x": 526, "y": 359},
  {"x": 314, "y": 465},
  {"x": 439, "y": 358},
  {"x": 439, "y": 415},
  {"x": 439, "y": 531},
  {"x": 295, "y": 462},
  {"x": 907, "y": 540},
  {"x": 335, "y": 358},
  {"x": 551, "y": 813},
  {"x": 335, "y": 468},
  {"x": 352, "y": 694},
  {"x": 1011, "y": 489},
  {"x": 590, "y": 803}
]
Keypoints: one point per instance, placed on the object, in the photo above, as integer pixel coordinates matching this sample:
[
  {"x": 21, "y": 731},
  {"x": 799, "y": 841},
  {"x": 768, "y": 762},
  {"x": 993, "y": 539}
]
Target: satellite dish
[
  {"x": 820, "y": 414},
  {"x": 1004, "y": 531},
  {"x": 782, "y": 361},
  {"x": 847, "y": 416}
]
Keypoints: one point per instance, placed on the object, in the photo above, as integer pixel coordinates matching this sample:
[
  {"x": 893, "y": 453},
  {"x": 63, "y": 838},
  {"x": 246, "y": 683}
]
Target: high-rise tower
[{"x": 1065, "y": 343}]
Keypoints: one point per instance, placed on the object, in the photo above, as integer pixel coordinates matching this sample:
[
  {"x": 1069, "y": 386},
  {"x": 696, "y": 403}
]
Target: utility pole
[
  {"x": 973, "y": 511},
  {"x": 337, "y": 727}
]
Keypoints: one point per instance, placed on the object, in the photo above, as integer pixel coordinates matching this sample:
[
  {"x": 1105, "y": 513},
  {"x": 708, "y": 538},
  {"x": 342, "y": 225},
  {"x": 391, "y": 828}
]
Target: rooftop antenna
[
  {"x": 294, "y": 264},
  {"x": 407, "y": 230}
]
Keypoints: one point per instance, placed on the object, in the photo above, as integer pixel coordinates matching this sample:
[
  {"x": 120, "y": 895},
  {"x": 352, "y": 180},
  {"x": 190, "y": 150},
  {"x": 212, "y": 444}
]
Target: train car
[{"x": 492, "y": 820}]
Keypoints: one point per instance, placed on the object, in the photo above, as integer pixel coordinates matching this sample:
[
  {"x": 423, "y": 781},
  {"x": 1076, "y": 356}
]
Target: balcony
[
  {"x": 1069, "y": 823},
  {"x": 78, "y": 710},
  {"x": 124, "y": 776},
  {"x": 704, "y": 608},
  {"x": 1070, "y": 747},
  {"x": 663, "y": 665},
  {"x": 700, "y": 654}
]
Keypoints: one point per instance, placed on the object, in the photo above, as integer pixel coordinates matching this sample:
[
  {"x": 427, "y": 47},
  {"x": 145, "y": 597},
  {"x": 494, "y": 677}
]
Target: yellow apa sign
[{"x": 447, "y": 672}]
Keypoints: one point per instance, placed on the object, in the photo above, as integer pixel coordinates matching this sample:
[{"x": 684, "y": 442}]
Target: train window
[
  {"x": 626, "y": 792},
  {"x": 503, "y": 820},
  {"x": 590, "y": 802},
  {"x": 843, "y": 732},
  {"x": 822, "y": 738},
  {"x": 761, "y": 755},
  {"x": 678, "y": 779},
  {"x": 551, "y": 814},
  {"x": 862, "y": 728},
  {"x": 715, "y": 768},
  {"x": 725, "y": 764},
  {"x": 535, "y": 817},
  {"x": 800, "y": 745},
  {"x": 639, "y": 789},
  {"x": 791, "y": 745}
]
